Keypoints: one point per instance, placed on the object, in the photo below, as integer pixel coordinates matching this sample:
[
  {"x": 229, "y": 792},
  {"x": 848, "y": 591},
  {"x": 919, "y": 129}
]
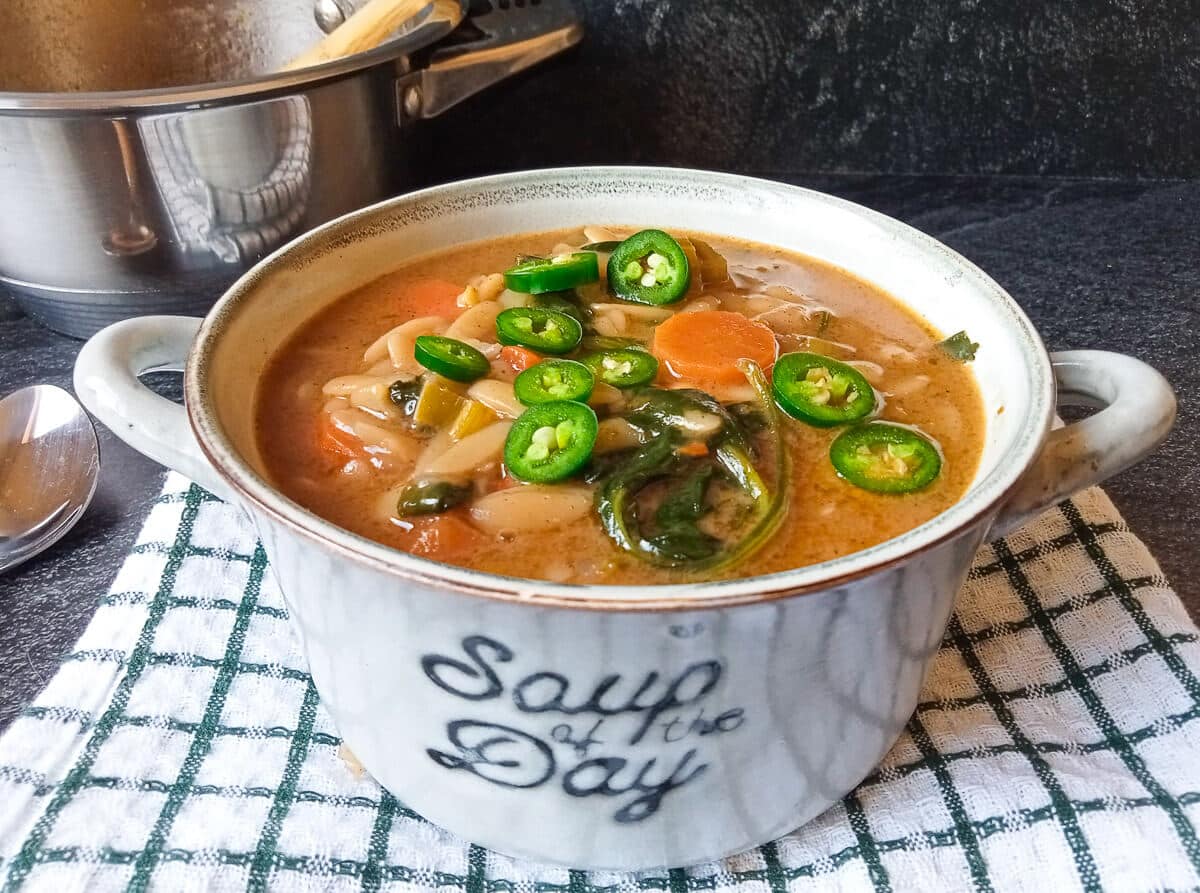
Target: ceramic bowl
[{"x": 620, "y": 727}]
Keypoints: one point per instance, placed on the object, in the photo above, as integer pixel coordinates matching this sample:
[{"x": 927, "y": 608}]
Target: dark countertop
[{"x": 1095, "y": 263}]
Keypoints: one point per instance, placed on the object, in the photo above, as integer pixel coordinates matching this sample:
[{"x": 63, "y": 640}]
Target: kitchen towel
[{"x": 182, "y": 746}]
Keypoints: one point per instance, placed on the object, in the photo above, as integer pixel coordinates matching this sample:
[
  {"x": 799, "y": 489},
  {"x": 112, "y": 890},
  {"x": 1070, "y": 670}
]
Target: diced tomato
[
  {"x": 442, "y": 537},
  {"x": 519, "y": 358},
  {"x": 337, "y": 443}
]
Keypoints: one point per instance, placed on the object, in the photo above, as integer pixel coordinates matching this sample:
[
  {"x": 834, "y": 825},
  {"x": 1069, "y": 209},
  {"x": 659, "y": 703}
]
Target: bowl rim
[{"x": 978, "y": 505}]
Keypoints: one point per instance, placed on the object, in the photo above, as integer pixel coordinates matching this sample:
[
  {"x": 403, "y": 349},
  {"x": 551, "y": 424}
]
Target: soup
[{"x": 613, "y": 407}]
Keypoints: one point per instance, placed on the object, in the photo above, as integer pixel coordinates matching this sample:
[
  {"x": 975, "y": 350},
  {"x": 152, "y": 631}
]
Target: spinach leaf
[
  {"x": 685, "y": 504},
  {"x": 405, "y": 395},
  {"x": 430, "y": 498},
  {"x": 748, "y": 418},
  {"x": 675, "y": 538},
  {"x": 610, "y": 342},
  {"x": 959, "y": 346},
  {"x": 564, "y": 302},
  {"x": 681, "y": 410},
  {"x": 678, "y": 535}
]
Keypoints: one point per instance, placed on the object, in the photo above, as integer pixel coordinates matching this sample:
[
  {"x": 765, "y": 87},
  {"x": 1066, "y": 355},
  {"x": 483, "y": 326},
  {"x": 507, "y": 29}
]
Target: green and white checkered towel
[{"x": 182, "y": 745}]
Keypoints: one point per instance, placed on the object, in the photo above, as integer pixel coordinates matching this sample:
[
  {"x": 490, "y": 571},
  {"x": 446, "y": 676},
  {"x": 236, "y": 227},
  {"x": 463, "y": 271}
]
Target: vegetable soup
[{"x": 619, "y": 407}]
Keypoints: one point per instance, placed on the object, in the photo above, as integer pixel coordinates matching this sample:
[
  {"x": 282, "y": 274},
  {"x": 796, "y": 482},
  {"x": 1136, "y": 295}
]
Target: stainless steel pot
[{"x": 117, "y": 201}]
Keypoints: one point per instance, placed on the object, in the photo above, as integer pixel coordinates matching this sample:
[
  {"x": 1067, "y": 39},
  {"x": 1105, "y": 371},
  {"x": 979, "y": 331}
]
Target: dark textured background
[
  {"x": 784, "y": 90},
  {"x": 1084, "y": 88}
]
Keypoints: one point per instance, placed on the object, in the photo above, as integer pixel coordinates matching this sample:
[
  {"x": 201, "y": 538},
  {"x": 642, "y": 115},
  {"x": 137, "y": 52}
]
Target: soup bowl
[{"x": 620, "y": 727}]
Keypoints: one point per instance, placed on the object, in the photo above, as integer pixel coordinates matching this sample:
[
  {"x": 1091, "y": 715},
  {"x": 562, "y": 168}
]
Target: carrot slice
[
  {"x": 705, "y": 346},
  {"x": 429, "y": 297},
  {"x": 519, "y": 358},
  {"x": 337, "y": 443},
  {"x": 695, "y": 448},
  {"x": 442, "y": 537}
]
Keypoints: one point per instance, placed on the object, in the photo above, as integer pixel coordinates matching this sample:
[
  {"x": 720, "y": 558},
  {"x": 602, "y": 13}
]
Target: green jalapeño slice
[
  {"x": 550, "y": 441},
  {"x": 886, "y": 458},
  {"x": 649, "y": 268},
  {"x": 450, "y": 358},
  {"x": 622, "y": 367},
  {"x": 431, "y": 497},
  {"x": 535, "y": 275},
  {"x": 540, "y": 329},
  {"x": 552, "y": 380},
  {"x": 821, "y": 391}
]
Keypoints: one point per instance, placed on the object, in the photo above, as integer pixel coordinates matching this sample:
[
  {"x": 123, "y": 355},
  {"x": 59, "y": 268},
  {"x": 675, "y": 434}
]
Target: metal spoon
[{"x": 49, "y": 463}]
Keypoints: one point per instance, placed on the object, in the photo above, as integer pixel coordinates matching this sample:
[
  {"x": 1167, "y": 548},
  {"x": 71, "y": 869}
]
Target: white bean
[
  {"x": 604, "y": 394},
  {"x": 895, "y": 354},
  {"x": 788, "y": 319},
  {"x": 473, "y": 452},
  {"x": 382, "y": 369},
  {"x": 604, "y": 326},
  {"x": 700, "y": 423},
  {"x": 374, "y": 398},
  {"x": 873, "y": 372},
  {"x": 377, "y": 440},
  {"x": 909, "y": 385},
  {"x": 489, "y": 286},
  {"x": 489, "y": 349},
  {"x": 826, "y": 347},
  {"x": 401, "y": 341},
  {"x": 734, "y": 393},
  {"x": 497, "y": 396},
  {"x": 600, "y": 234},
  {"x": 616, "y": 434},
  {"x": 644, "y": 314},
  {"x": 478, "y": 322},
  {"x": 616, "y": 323},
  {"x": 783, "y": 293},
  {"x": 700, "y": 304},
  {"x": 345, "y": 385},
  {"x": 509, "y": 298},
  {"x": 379, "y": 347},
  {"x": 725, "y": 393},
  {"x": 531, "y": 508}
]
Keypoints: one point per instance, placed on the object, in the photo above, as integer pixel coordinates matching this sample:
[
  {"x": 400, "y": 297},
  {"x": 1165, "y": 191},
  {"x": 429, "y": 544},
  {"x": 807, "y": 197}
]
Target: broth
[{"x": 808, "y": 305}]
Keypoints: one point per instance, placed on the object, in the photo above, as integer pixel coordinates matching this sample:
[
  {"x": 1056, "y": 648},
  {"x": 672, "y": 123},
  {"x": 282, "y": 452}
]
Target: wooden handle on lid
[{"x": 376, "y": 21}]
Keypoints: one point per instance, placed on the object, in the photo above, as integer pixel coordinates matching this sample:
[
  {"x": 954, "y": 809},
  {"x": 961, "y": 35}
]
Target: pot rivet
[
  {"x": 331, "y": 13},
  {"x": 412, "y": 102}
]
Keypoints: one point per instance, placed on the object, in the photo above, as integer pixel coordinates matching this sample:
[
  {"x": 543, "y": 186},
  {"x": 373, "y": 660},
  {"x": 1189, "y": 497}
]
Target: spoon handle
[{"x": 372, "y": 24}]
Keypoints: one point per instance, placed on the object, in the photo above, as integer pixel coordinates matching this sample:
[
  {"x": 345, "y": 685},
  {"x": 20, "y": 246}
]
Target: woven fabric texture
[{"x": 183, "y": 746}]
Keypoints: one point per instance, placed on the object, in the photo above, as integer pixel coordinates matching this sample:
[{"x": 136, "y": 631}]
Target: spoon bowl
[{"x": 49, "y": 465}]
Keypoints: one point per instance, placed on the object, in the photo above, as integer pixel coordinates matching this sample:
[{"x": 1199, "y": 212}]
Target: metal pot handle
[
  {"x": 487, "y": 48},
  {"x": 1137, "y": 410},
  {"x": 106, "y": 381}
]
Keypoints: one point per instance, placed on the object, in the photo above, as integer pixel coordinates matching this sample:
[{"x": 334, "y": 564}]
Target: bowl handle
[
  {"x": 106, "y": 381},
  {"x": 1137, "y": 410}
]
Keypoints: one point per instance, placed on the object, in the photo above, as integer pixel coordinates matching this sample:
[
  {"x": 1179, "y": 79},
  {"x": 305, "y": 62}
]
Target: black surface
[
  {"x": 1064, "y": 87},
  {"x": 1098, "y": 264}
]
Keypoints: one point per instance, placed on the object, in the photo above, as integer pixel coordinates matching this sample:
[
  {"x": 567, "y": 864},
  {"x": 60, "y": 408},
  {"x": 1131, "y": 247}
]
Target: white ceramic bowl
[{"x": 620, "y": 727}]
